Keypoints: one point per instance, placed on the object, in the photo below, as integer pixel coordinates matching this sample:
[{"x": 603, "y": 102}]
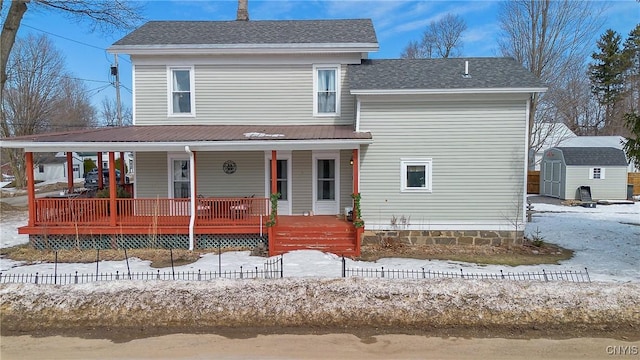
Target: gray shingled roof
[
  {"x": 593, "y": 156},
  {"x": 413, "y": 74},
  {"x": 251, "y": 32}
]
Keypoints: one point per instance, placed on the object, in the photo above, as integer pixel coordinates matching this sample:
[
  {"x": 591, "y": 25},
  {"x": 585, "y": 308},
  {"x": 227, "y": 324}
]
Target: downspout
[
  {"x": 192, "y": 188},
  {"x": 523, "y": 218}
]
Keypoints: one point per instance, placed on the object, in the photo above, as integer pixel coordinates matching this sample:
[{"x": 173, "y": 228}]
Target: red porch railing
[
  {"x": 144, "y": 212},
  {"x": 64, "y": 212}
]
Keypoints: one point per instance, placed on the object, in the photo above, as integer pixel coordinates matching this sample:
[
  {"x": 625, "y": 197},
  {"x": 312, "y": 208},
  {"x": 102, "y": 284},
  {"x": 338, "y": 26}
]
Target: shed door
[{"x": 552, "y": 178}]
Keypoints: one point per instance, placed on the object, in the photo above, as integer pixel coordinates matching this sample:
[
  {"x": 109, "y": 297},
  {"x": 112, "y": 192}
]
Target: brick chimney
[{"x": 243, "y": 13}]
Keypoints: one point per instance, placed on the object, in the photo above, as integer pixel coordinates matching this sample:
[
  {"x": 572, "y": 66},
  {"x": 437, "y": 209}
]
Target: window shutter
[
  {"x": 601, "y": 173},
  {"x": 591, "y": 173}
]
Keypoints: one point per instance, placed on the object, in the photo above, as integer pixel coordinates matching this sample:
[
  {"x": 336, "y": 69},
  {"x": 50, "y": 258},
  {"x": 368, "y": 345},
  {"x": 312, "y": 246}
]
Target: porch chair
[{"x": 242, "y": 209}]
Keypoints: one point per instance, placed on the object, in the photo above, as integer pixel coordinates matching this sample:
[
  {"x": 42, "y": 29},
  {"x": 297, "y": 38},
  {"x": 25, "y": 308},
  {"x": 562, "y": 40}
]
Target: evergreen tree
[
  {"x": 607, "y": 76},
  {"x": 632, "y": 143},
  {"x": 631, "y": 53}
]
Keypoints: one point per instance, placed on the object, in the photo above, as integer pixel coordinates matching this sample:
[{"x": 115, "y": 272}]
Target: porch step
[
  {"x": 342, "y": 248},
  {"x": 324, "y": 233}
]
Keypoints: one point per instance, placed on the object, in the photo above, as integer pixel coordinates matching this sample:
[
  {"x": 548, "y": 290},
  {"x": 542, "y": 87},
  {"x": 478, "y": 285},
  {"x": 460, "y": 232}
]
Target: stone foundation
[{"x": 444, "y": 237}]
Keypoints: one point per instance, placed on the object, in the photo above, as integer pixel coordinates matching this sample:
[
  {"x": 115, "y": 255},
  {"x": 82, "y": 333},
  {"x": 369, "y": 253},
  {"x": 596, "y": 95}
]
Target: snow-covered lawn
[{"x": 606, "y": 241}]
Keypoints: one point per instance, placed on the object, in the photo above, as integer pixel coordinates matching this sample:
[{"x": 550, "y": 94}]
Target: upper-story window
[
  {"x": 326, "y": 81},
  {"x": 181, "y": 96}
]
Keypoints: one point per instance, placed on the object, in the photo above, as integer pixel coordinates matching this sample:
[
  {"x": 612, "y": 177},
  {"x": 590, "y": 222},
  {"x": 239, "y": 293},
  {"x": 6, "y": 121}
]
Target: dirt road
[{"x": 330, "y": 346}]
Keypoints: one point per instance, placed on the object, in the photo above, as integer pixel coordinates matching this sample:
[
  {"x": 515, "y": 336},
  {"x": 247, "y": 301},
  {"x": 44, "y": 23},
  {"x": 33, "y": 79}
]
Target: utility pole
[{"x": 116, "y": 71}]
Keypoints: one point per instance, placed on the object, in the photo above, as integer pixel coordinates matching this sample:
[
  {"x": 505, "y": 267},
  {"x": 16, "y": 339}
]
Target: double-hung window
[
  {"x": 326, "y": 81},
  {"x": 415, "y": 175},
  {"x": 181, "y": 96}
]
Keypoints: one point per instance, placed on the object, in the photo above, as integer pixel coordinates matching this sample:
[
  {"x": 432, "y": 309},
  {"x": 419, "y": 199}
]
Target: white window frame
[
  {"x": 406, "y": 162},
  {"x": 600, "y": 172},
  {"x": 171, "y": 157},
  {"x": 170, "y": 70},
  {"x": 338, "y": 71}
]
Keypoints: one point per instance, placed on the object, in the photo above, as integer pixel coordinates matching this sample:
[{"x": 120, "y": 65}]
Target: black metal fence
[
  {"x": 568, "y": 275},
  {"x": 271, "y": 269}
]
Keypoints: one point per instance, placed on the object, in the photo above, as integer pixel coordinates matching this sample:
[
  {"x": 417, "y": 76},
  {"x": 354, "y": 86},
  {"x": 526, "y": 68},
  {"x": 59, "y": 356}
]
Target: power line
[
  {"x": 81, "y": 79},
  {"x": 68, "y": 39},
  {"x": 62, "y": 37}
]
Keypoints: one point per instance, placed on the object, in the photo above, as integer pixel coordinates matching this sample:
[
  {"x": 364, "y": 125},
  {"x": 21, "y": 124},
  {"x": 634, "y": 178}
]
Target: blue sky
[{"x": 396, "y": 22}]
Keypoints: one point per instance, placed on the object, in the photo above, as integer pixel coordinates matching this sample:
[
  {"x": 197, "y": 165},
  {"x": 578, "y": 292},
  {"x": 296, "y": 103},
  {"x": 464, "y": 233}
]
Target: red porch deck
[{"x": 95, "y": 216}]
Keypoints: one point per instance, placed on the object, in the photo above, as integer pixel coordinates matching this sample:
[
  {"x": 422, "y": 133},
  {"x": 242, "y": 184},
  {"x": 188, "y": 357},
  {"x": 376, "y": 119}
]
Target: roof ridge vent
[{"x": 466, "y": 74}]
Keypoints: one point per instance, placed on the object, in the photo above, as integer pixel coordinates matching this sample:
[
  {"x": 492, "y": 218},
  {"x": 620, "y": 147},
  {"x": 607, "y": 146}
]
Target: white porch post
[{"x": 193, "y": 195}]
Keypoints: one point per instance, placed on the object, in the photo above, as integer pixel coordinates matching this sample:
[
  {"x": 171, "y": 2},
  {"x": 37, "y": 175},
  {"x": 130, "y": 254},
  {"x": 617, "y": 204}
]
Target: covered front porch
[{"x": 212, "y": 197}]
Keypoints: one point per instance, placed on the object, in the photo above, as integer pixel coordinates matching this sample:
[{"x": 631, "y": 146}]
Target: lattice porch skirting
[{"x": 177, "y": 241}]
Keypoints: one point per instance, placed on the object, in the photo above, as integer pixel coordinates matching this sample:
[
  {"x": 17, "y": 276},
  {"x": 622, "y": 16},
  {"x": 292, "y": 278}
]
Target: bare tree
[
  {"x": 109, "y": 113},
  {"x": 446, "y": 35},
  {"x": 413, "y": 50},
  {"x": 73, "y": 109},
  {"x": 548, "y": 37},
  {"x": 40, "y": 97},
  {"x": 103, "y": 15},
  {"x": 441, "y": 39},
  {"x": 573, "y": 103}
]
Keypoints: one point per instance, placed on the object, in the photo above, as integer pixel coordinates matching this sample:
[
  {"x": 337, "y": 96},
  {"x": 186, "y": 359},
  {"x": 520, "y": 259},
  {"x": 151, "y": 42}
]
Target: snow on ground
[
  {"x": 606, "y": 240},
  {"x": 323, "y": 303}
]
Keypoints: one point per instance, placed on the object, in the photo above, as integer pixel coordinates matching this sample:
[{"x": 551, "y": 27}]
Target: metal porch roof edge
[{"x": 255, "y": 145}]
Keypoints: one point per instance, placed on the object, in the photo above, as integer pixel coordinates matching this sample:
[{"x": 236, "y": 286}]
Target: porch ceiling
[{"x": 197, "y": 137}]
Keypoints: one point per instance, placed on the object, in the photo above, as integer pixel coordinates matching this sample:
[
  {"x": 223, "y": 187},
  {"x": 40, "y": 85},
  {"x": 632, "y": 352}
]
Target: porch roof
[{"x": 197, "y": 137}]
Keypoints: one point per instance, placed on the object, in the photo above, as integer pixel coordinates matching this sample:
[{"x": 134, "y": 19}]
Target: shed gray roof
[
  {"x": 413, "y": 74},
  {"x": 251, "y": 32},
  {"x": 593, "y": 156}
]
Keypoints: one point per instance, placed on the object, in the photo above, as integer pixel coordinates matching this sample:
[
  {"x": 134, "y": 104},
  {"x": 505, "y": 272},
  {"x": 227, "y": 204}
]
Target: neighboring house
[
  {"x": 545, "y": 136},
  {"x": 54, "y": 167},
  {"x": 566, "y": 169},
  {"x": 7, "y": 172},
  {"x": 93, "y": 156},
  {"x": 235, "y": 119}
]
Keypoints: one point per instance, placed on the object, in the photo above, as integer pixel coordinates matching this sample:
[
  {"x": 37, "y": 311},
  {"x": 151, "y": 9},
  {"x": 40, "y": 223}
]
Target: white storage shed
[{"x": 564, "y": 170}]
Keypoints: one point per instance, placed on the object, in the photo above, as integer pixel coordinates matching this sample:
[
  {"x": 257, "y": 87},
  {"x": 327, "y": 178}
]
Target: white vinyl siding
[
  {"x": 151, "y": 96},
  {"x": 301, "y": 186},
  {"x": 151, "y": 175},
  {"x": 613, "y": 187},
  {"x": 478, "y": 147},
  {"x": 346, "y": 180},
  {"x": 248, "y": 179},
  {"x": 268, "y": 94}
]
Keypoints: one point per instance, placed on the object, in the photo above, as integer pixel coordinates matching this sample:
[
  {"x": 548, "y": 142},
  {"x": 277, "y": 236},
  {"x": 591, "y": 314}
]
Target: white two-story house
[{"x": 286, "y": 132}]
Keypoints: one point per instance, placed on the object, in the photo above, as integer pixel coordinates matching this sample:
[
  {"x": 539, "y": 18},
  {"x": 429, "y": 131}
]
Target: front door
[
  {"x": 180, "y": 186},
  {"x": 326, "y": 187}
]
